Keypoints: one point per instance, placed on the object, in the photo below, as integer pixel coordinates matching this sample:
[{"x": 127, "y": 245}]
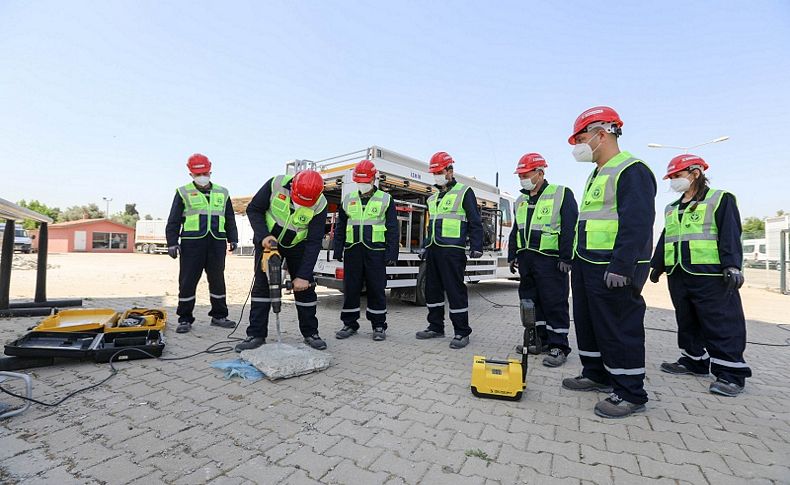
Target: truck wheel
[
  {"x": 419, "y": 291},
  {"x": 144, "y": 249},
  {"x": 152, "y": 249}
]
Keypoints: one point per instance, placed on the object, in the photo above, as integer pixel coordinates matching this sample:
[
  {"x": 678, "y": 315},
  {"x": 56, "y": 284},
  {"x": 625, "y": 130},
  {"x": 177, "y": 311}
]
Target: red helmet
[
  {"x": 199, "y": 163},
  {"x": 684, "y": 162},
  {"x": 440, "y": 161},
  {"x": 602, "y": 116},
  {"x": 306, "y": 187},
  {"x": 364, "y": 172},
  {"x": 530, "y": 162}
]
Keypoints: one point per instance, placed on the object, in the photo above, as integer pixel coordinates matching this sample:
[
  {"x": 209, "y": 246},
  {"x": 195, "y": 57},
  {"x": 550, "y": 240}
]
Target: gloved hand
[
  {"x": 421, "y": 254},
  {"x": 655, "y": 274},
  {"x": 475, "y": 254},
  {"x": 564, "y": 266},
  {"x": 514, "y": 266},
  {"x": 733, "y": 278},
  {"x": 233, "y": 247},
  {"x": 391, "y": 262},
  {"x": 339, "y": 257},
  {"x": 173, "y": 251},
  {"x": 614, "y": 280}
]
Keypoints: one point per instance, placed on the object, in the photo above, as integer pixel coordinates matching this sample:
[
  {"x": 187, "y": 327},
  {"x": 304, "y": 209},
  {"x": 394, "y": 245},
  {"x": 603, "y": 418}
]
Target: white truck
[
  {"x": 754, "y": 253},
  {"x": 149, "y": 237},
  {"x": 22, "y": 240},
  {"x": 409, "y": 183},
  {"x": 773, "y": 230}
]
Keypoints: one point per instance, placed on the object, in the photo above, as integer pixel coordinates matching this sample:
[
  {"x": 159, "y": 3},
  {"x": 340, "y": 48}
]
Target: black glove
[
  {"x": 233, "y": 246},
  {"x": 421, "y": 254},
  {"x": 733, "y": 278},
  {"x": 564, "y": 266},
  {"x": 655, "y": 274},
  {"x": 614, "y": 280},
  {"x": 339, "y": 257},
  {"x": 514, "y": 266},
  {"x": 475, "y": 254},
  {"x": 173, "y": 251},
  {"x": 391, "y": 262}
]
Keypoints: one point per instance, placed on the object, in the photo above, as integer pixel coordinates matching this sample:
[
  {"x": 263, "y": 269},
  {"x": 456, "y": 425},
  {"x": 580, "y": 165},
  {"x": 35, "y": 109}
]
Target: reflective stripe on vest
[
  {"x": 545, "y": 223},
  {"x": 447, "y": 225},
  {"x": 286, "y": 221},
  {"x": 692, "y": 241},
  {"x": 368, "y": 225},
  {"x": 598, "y": 210},
  {"x": 203, "y": 215}
]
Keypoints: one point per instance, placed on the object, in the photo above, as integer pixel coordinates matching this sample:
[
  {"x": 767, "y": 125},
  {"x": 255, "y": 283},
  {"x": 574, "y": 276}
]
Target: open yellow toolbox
[{"x": 79, "y": 320}]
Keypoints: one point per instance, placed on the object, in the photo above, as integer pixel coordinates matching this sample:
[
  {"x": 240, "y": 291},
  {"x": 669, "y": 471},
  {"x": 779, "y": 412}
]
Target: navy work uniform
[
  {"x": 299, "y": 231},
  {"x": 453, "y": 218},
  {"x": 542, "y": 236},
  {"x": 366, "y": 239},
  {"x": 614, "y": 234},
  {"x": 204, "y": 221},
  {"x": 700, "y": 239}
]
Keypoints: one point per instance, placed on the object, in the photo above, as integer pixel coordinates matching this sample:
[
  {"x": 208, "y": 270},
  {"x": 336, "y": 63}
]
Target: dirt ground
[{"x": 129, "y": 275}]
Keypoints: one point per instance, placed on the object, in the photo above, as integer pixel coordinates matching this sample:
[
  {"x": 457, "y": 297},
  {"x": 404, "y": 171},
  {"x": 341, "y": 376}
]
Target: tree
[
  {"x": 79, "y": 212},
  {"x": 780, "y": 212},
  {"x": 128, "y": 217},
  {"x": 41, "y": 208},
  {"x": 753, "y": 228},
  {"x": 148, "y": 217}
]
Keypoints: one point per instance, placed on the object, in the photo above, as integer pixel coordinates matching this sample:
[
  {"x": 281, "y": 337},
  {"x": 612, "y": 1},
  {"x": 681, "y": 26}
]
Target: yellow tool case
[{"x": 95, "y": 334}]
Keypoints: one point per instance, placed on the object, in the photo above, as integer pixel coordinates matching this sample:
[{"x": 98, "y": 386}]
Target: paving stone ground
[{"x": 392, "y": 412}]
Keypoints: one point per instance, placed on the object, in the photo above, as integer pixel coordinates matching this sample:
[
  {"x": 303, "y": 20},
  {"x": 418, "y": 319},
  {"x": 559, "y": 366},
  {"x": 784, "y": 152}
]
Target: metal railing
[{"x": 40, "y": 305}]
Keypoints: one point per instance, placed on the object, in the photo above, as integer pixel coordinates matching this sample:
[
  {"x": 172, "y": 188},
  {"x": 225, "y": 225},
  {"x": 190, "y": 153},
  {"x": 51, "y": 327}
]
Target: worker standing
[
  {"x": 366, "y": 241},
  {"x": 202, "y": 217},
  {"x": 289, "y": 210},
  {"x": 453, "y": 218},
  {"x": 541, "y": 250},
  {"x": 611, "y": 256},
  {"x": 700, "y": 250}
]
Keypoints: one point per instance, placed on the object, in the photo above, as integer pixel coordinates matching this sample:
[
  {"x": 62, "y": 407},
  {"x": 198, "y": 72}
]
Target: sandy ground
[{"x": 132, "y": 275}]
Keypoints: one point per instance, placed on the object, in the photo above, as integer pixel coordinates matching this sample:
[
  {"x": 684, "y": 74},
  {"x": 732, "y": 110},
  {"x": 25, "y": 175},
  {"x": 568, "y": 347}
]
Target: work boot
[
  {"x": 581, "y": 383},
  {"x": 616, "y": 407},
  {"x": 315, "y": 342},
  {"x": 724, "y": 388},
  {"x": 378, "y": 334},
  {"x": 679, "y": 369},
  {"x": 428, "y": 333},
  {"x": 250, "y": 343},
  {"x": 459, "y": 342},
  {"x": 555, "y": 358},
  {"x": 222, "y": 322},
  {"x": 184, "y": 327},
  {"x": 345, "y": 332}
]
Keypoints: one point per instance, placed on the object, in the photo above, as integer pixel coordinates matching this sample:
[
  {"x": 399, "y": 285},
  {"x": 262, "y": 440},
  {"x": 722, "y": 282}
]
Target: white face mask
[
  {"x": 202, "y": 180},
  {"x": 527, "y": 184},
  {"x": 680, "y": 184},
  {"x": 440, "y": 180},
  {"x": 583, "y": 153},
  {"x": 364, "y": 188}
]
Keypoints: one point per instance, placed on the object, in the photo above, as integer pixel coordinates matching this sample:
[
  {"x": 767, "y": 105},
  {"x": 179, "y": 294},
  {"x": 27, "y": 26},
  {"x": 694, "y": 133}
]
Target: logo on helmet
[{"x": 591, "y": 112}]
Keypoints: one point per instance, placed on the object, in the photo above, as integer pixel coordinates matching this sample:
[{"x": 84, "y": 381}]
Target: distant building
[{"x": 90, "y": 236}]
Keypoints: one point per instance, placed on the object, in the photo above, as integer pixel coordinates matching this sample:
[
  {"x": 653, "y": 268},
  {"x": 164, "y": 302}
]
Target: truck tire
[
  {"x": 152, "y": 249},
  {"x": 144, "y": 249},
  {"x": 419, "y": 291}
]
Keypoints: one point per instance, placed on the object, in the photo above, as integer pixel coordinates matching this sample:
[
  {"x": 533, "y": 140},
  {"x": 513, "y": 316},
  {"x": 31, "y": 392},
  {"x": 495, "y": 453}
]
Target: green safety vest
[
  {"x": 447, "y": 225},
  {"x": 692, "y": 241},
  {"x": 598, "y": 211},
  {"x": 285, "y": 220},
  {"x": 366, "y": 225},
  {"x": 542, "y": 232},
  {"x": 203, "y": 215}
]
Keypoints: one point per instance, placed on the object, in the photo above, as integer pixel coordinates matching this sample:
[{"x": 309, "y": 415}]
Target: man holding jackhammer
[{"x": 289, "y": 210}]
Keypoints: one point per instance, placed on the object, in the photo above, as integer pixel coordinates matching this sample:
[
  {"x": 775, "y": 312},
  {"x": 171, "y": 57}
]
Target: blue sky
[{"x": 110, "y": 98}]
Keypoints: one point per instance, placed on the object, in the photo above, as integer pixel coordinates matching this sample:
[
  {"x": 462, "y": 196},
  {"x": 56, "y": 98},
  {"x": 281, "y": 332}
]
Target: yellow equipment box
[
  {"x": 79, "y": 320},
  {"x": 139, "y": 319},
  {"x": 506, "y": 379}
]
